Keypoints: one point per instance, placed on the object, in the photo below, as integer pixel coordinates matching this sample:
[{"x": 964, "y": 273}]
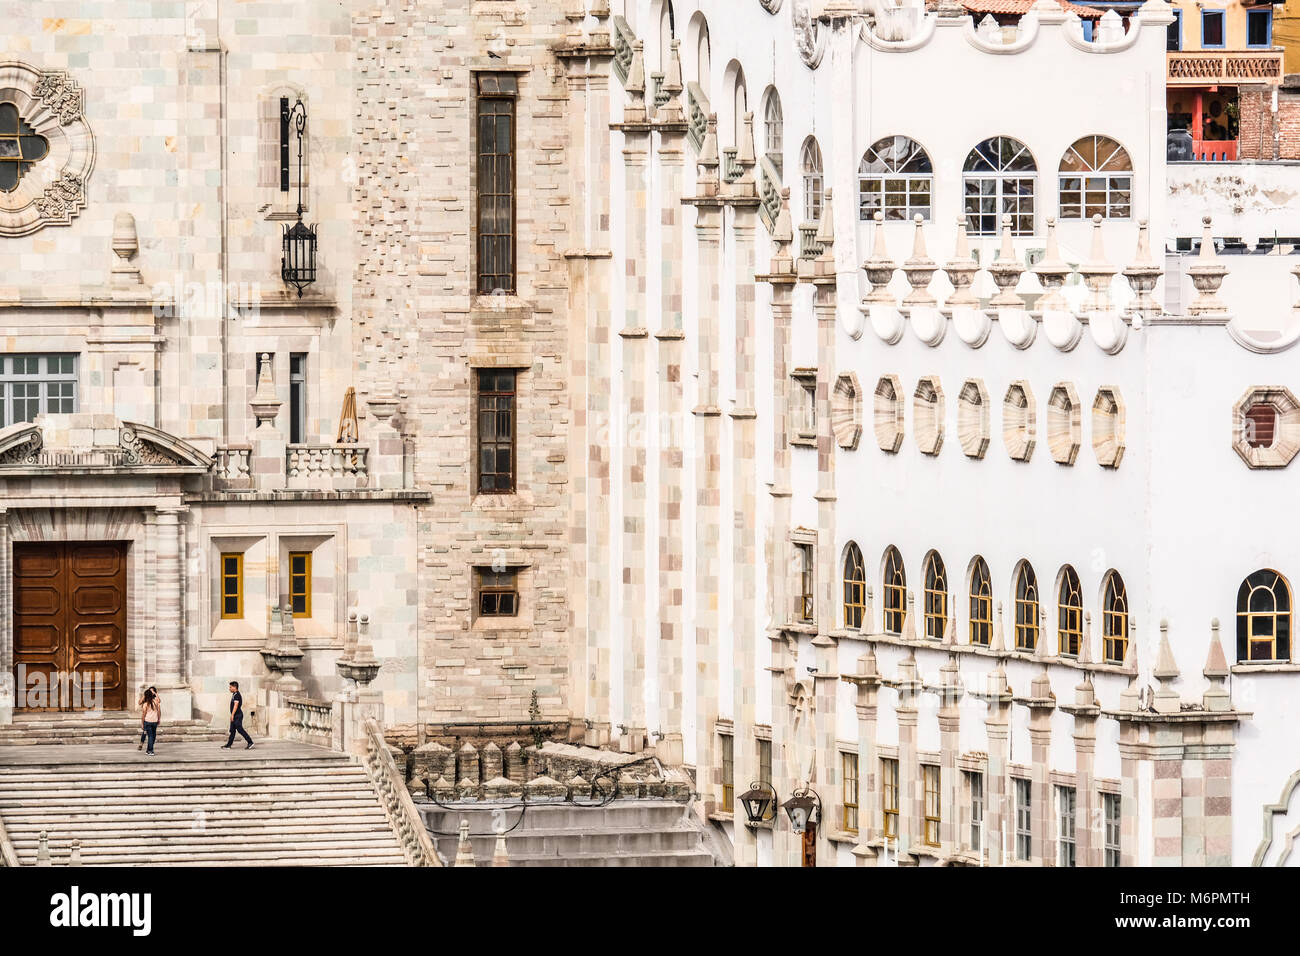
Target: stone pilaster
[
  {"x": 6, "y": 621},
  {"x": 911, "y": 795},
  {"x": 950, "y": 694},
  {"x": 1041, "y": 704},
  {"x": 867, "y": 681},
  {"x": 169, "y": 654},
  {"x": 998, "y": 809}
]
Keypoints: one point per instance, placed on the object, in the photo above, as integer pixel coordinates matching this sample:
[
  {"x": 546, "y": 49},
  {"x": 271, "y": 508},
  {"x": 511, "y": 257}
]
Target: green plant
[{"x": 535, "y": 715}]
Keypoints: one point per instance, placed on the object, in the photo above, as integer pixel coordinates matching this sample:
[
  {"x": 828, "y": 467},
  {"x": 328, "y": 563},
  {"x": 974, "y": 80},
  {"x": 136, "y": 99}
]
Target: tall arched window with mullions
[
  {"x": 936, "y": 597},
  {"x": 1264, "y": 618},
  {"x": 981, "y": 604},
  {"x": 810, "y": 164},
  {"x": 855, "y": 587},
  {"x": 895, "y": 177},
  {"x": 895, "y": 592},
  {"x": 1069, "y": 613},
  {"x": 1026, "y": 608},
  {"x": 998, "y": 179},
  {"x": 1114, "y": 620}
]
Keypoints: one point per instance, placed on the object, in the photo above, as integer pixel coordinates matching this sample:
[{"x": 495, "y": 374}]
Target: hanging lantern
[
  {"x": 298, "y": 261},
  {"x": 756, "y": 801},
  {"x": 803, "y": 807}
]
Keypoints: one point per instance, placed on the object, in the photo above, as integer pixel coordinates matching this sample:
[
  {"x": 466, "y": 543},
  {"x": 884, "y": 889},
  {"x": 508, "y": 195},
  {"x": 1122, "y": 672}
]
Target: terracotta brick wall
[{"x": 1259, "y": 127}]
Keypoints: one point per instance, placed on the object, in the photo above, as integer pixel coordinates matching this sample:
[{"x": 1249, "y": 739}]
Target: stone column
[
  {"x": 998, "y": 808},
  {"x": 1041, "y": 705},
  {"x": 169, "y": 610},
  {"x": 867, "y": 681},
  {"x": 949, "y": 746},
  {"x": 911, "y": 795},
  {"x": 1089, "y": 825},
  {"x": 785, "y": 844}
]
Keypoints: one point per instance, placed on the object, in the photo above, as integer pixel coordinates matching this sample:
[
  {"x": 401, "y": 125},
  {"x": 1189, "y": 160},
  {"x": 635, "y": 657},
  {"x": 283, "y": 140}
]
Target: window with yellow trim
[
  {"x": 936, "y": 597},
  {"x": 1026, "y": 608},
  {"x": 1069, "y": 614},
  {"x": 930, "y": 781},
  {"x": 889, "y": 796},
  {"x": 849, "y": 770},
  {"x": 232, "y": 585},
  {"x": 300, "y": 583},
  {"x": 981, "y": 604},
  {"x": 895, "y": 587},
  {"x": 728, "y": 773},
  {"x": 1114, "y": 620}
]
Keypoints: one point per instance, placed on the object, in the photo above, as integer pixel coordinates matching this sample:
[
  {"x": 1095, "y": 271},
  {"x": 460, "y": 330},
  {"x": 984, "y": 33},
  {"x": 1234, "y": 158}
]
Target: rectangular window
[
  {"x": 297, "y": 398},
  {"x": 889, "y": 796},
  {"x": 728, "y": 772},
  {"x": 930, "y": 781},
  {"x": 765, "y": 771},
  {"x": 1174, "y": 38},
  {"x": 284, "y": 144},
  {"x": 496, "y": 183},
  {"x": 1066, "y": 798},
  {"x": 498, "y": 593},
  {"x": 1110, "y": 818},
  {"x": 496, "y": 431},
  {"x": 1212, "y": 29},
  {"x": 1024, "y": 835},
  {"x": 32, "y": 385},
  {"x": 232, "y": 585},
  {"x": 1259, "y": 28},
  {"x": 804, "y": 598},
  {"x": 806, "y": 422},
  {"x": 300, "y": 583},
  {"x": 849, "y": 770},
  {"x": 975, "y": 787}
]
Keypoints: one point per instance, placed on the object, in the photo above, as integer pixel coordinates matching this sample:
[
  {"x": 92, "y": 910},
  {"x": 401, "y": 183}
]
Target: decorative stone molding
[
  {"x": 973, "y": 418},
  {"x": 809, "y": 36},
  {"x": 20, "y": 444},
  {"x": 1019, "y": 421},
  {"x": 1108, "y": 426},
  {"x": 1284, "y": 441},
  {"x": 146, "y": 445},
  {"x": 927, "y": 415},
  {"x": 888, "y": 414},
  {"x": 1064, "y": 424},
  {"x": 53, "y": 190},
  {"x": 771, "y": 6},
  {"x": 846, "y": 411}
]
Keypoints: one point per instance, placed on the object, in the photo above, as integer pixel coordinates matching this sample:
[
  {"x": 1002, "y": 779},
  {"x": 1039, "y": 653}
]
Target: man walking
[{"x": 237, "y": 718}]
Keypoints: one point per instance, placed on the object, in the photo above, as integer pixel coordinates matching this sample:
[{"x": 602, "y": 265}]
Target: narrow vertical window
[
  {"x": 930, "y": 781},
  {"x": 496, "y": 431},
  {"x": 300, "y": 583},
  {"x": 804, "y": 599},
  {"x": 1069, "y": 614},
  {"x": 232, "y": 585},
  {"x": 496, "y": 183},
  {"x": 297, "y": 398},
  {"x": 895, "y": 588},
  {"x": 889, "y": 796},
  {"x": 1026, "y": 608},
  {"x": 936, "y": 597},
  {"x": 1066, "y": 798},
  {"x": 975, "y": 786},
  {"x": 1024, "y": 806},
  {"x": 1114, "y": 620},
  {"x": 728, "y": 772},
  {"x": 1110, "y": 839},
  {"x": 1174, "y": 36},
  {"x": 765, "y": 771},
  {"x": 981, "y": 604},
  {"x": 284, "y": 144},
  {"x": 855, "y": 587},
  {"x": 849, "y": 772}
]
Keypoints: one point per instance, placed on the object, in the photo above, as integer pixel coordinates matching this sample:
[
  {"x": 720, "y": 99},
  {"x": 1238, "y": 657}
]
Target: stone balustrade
[
  {"x": 697, "y": 114},
  {"x": 327, "y": 467},
  {"x": 311, "y": 721},
  {"x": 233, "y": 467},
  {"x": 390, "y": 783}
]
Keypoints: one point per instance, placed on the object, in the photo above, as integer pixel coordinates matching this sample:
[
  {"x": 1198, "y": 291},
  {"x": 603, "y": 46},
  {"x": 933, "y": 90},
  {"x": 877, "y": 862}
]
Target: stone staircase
[
  {"x": 35, "y": 729},
  {"x": 624, "y": 833},
  {"x": 281, "y": 803}
]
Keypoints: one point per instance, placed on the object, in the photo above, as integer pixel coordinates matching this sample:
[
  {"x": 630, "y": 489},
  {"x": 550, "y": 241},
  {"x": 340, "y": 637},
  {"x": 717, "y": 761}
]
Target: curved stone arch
[
  {"x": 1073, "y": 30},
  {"x": 809, "y": 35},
  {"x": 698, "y": 51},
  {"x": 145, "y": 444},
  {"x": 20, "y": 444},
  {"x": 1029, "y": 26},
  {"x": 733, "y": 105},
  {"x": 1271, "y": 812},
  {"x": 923, "y": 35},
  {"x": 53, "y": 191}
]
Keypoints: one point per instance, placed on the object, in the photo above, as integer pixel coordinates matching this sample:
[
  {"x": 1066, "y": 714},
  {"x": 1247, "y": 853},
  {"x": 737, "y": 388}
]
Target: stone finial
[
  {"x": 1085, "y": 642},
  {"x": 783, "y": 234},
  {"x": 999, "y": 643},
  {"x": 125, "y": 246},
  {"x": 500, "y": 856},
  {"x": 950, "y": 680},
  {"x": 1052, "y": 271},
  {"x": 867, "y": 666},
  {"x": 635, "y": 111},
  {"x": 826, "y": 226},
  {"x": 265, "y": 404},
  {"x": 707, "y": 180},
  {"x": 907, "y": 668},
  {"x": 1207, "y": 275},
  {"x": 1216, "y": 696},
  {"x": 950, "y": 629},
  {"x": 1130, "y": 651},
  {"x": 467, "y": 766},
  {"x": 1166, "y": 672},
  {"x": 464, "y": 850},
  {"x": 1142, "y": 276},
  {"x": 1097, "y": 272},
  {"x": 919, "y": 269},
  {"x": 869, "y": 611},
  {"x": 74, "y": 855},
  {"x": 1040, "y": 637},
  {"x": 961, "y": 269},
  {"x": 1040, "y": 688},
  {"x": 879, "y": 268},
  {"x": 1085, "y": 695},
  {"x": 670, "y": 111},
  {"x": 745, "y": 157},
  {"x": 909, "y": 617},
  {"x": 43, "y": 850},
  {"x": 1006, "y": 270}
]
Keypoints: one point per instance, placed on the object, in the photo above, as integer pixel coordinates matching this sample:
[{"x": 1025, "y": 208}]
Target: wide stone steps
[
  {"x": 280, "y": 804},
  {"x": 38, "y": 729}
]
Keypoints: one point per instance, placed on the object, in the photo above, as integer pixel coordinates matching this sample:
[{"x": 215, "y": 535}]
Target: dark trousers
[
  {"x": 237, "y": 727},
  {"x": 150, "y": 734}
]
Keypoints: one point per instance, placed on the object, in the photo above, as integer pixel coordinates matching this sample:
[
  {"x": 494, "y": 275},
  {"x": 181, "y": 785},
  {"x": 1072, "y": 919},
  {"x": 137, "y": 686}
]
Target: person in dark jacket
[{"x": 237, "y": 718}]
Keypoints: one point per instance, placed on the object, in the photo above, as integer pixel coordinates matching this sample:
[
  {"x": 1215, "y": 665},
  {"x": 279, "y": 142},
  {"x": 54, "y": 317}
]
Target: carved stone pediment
[
  {"x": 20, "y": 444},
  {"x": 139, "y": 447},
  {"x": 146, "y": 445}
]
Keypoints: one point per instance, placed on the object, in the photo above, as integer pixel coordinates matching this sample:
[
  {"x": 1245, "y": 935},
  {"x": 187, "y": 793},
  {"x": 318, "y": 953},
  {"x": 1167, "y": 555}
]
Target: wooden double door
[{"x": 70, "y": 625}]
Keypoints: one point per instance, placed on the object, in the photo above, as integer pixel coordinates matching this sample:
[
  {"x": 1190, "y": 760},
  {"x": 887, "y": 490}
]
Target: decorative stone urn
[
  {"x": 264, "y": 403},
  {"x": 281, "y": 653}
]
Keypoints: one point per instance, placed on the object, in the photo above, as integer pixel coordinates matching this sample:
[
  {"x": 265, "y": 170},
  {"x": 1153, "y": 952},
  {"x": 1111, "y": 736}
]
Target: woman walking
[
  {"x": 150, "y": 714},
  {"x": 140, "y": 703}
]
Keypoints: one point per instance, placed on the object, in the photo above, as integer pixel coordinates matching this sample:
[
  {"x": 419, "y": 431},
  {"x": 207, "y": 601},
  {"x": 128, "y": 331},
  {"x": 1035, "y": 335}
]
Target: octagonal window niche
[
  {"x": 888, "y": 413},
  {"x": 1266, "y": 427},
  {"x": 1064, "y": 424},
  {"x": 1108, "y": 426},
  {"x": 846, "y": 411},
  {"x": 1019, "y": 421},
  {"x": 973, "y": 418},
  {"x": 927, "y": 415}
]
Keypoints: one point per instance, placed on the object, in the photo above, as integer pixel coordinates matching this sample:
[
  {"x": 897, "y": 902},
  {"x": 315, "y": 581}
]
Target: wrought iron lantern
[
  {"x": 298, "y": 262},
  {"x": 757, "y": 801},
  {"x": 803, "y": 807}
]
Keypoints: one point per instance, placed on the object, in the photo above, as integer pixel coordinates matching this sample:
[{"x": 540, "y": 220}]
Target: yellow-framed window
[
  {"x": 936, "y": 597},
  {"x": 930, "y": 781},
  {"x": 1114, "y": 621},
  {"x": 889, "y": 796},
  {"x": 895, "y": 588},
  {"x": 1026, "y": 608},
  {"x": 300, "y": 583},
  {"x": 849, "y": 772},
  {"x": 1069, "y": 614},
  {"x": 232, "y": 585},
  {"x": 981, "y": 604},
  {"x": 728, "y": 772}
]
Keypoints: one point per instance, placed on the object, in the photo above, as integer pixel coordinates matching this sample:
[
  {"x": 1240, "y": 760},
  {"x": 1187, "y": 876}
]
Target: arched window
[
  {"x": 810, "y": 164},
  {"x": 1026, "y": 608},
  {"x": 999, "y": 179},
  {"x": 1264, "y": 618},
  {"x": 739, "y": 101},
  {"x": 981, "y": 604},
  {"x": 855, "y": 587},
  {"x": 774, "y": 131},
  {"x": 896, "y": 178},
  {"x": 1096, "y": 180},
  {"x": 936, "y": 597},
  {"x": 1114, "y": 620},
  {"x": 1069, "y": 613},
  {"x": 895, "y": 592}
]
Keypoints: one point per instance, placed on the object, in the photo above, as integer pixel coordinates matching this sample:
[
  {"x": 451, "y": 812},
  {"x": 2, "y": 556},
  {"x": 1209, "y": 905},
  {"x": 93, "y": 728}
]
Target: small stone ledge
[{"x": 306, "y": 495}]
